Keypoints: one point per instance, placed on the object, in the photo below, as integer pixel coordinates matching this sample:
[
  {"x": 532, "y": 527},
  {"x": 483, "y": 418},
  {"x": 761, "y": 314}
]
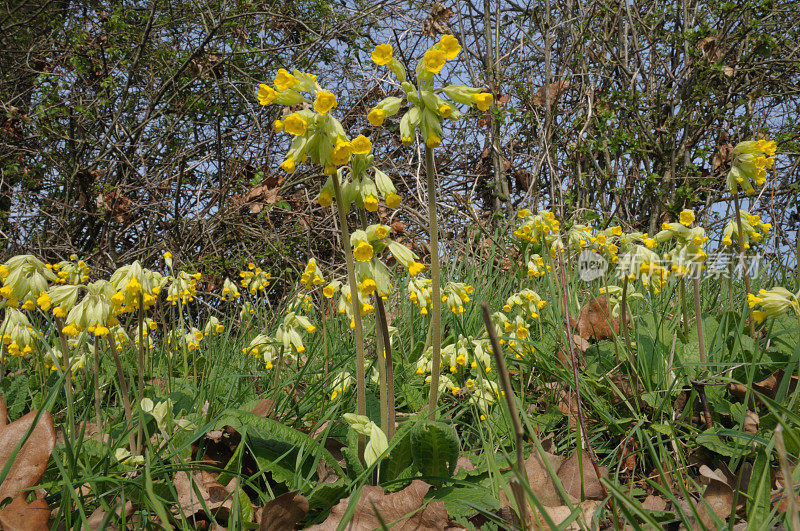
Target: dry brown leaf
[
  {"x": 570, "y": 475},
  {"x": 96, "y": 519},
  {"x": 284, "y": 512},
  {"x": 218, "y": 498},
  {"x": 463, "y": 463},
  {"x": 751, "y": 421},
  {"x": 768, "y": 386},
  {"x": 556, "y": 90},
  {"x": 31, "y": 461},
  {"x": 436, "y": 23},
  {"x": 22, "y": 516},
  {"x": 595, "y": 322},
  {"x": 540, "y": 481},
  {"x": 561, "y": 513},
  {"x": 264, "y": 408},
  {"x": 654, "y": 503},
  {"x": 3, "y": 413},
  {"x": 399, "y": 510},
  {"x": 719, "y": 497}
]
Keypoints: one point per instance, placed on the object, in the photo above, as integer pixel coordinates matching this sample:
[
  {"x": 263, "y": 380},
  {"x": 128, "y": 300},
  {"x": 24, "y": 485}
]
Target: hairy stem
[
  {"x": 123, "y": 389},
  {"x": 436, "y": 295},
  {"x": 361, "y": 397}
]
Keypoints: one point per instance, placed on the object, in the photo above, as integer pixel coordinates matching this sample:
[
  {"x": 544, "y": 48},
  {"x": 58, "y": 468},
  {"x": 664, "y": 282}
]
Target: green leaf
[
  {"x": 278, "y": 449},
  {"x": 434, "y": 448},
  {"x": 399, "y": 459},
  {"x": 462, "y": 497},
  {"x": 758, "y": 492},
  {"x": 711, "y": 440}
]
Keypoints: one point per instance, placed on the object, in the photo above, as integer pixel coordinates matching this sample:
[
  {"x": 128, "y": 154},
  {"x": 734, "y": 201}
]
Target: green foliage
[{"x": 434, "y": 448}]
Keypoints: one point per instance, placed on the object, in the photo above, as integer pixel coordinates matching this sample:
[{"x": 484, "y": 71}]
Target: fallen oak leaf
[
  {"x": 571, "y": 477},
  {"x": 30, "y": 462},
  {"x": 404, "y": 510},
  {"x": 23, "y": 516},
  {"x": 284, "y": 512},
  {"x": 594, "y": 321}
]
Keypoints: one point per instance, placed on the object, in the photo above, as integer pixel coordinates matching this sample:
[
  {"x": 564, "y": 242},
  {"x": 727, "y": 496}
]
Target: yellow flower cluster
[
  {"x": 254, "y": 279},
  {"x": 773, "y": 302},
  {"x": 312, "y": 276},
  {"x": 753, "y": 230},
  {"x": 230, "y": 292},
  {"x": 72, "y": 271},
  {"x": 427, "y": 108},
  {"x": 750, "y": 161},
  {"x": 541, "y": 228},
  {"x": 183, "y": 288},
  {"x": 456, "y": 295}
]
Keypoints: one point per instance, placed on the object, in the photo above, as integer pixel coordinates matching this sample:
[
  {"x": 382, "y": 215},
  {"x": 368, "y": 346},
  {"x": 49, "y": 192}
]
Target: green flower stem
[
  {"x": 180, "y": 345},
  {"x": 277, "y": 374},
  {"x": 123, "y": 388},
  {"x": 140, "y": 367},
  {"x": 380, "y": 323},
  {"x": 702, "y": 348},
  {"x": 626, "y": 334},
  {"x": 96, "y": 367},
  {"x": 737, "y": 213},
  {"x": 361, "y": 397},
  {"x": 387, "y": 348},
  {"x": 436, "y": 295},
  {"x": 698, "y": 318},
  {"x": 684, "y": 308},
  {"x": 67, "y": 380},
  {"x": 380, "y": 353}
]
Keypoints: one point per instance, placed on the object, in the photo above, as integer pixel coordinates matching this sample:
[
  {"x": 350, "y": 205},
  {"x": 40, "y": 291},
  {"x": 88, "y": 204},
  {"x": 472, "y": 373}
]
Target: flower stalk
[
  {"x": 436, "y": 295},
  {"x": 361, "y": 397}
]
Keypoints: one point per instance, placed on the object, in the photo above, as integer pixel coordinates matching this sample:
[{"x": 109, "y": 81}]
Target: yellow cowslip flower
[
  {"x": 277, "y": 126},
  {"x": 294, "y": 124},
  {"x": 382, "y": 55},
  {"x": 392, "y": 200},
  {"x": 363, "y": 252},
  {"x": 775, "y": 301},
  {"x": 433, "y": 140},
  {"x": 759, "y": 316},
  {"x": 361, "y": 145},
  {"x": 445, "y": 110},
  {"x": 340, "y": 154},
  {"x": 288, "y": 165},
  {"x": 434, "y": 60},
  {"x": 44, "y": 301},
  {"x": 325, "y": 101},
  {"x": 371, "y": 203},
  {"x": 483, "y": 100},
  {"x": 376, "y": 117},
  {"x": 324, "y": 199},
  {"x": 416, "y": 268},
  {"x": 284, "y": 80},
  {"x": 687, "y": 218},
  {"x": 450, "y": 46},
  {"x": 266, "y": 94}
]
